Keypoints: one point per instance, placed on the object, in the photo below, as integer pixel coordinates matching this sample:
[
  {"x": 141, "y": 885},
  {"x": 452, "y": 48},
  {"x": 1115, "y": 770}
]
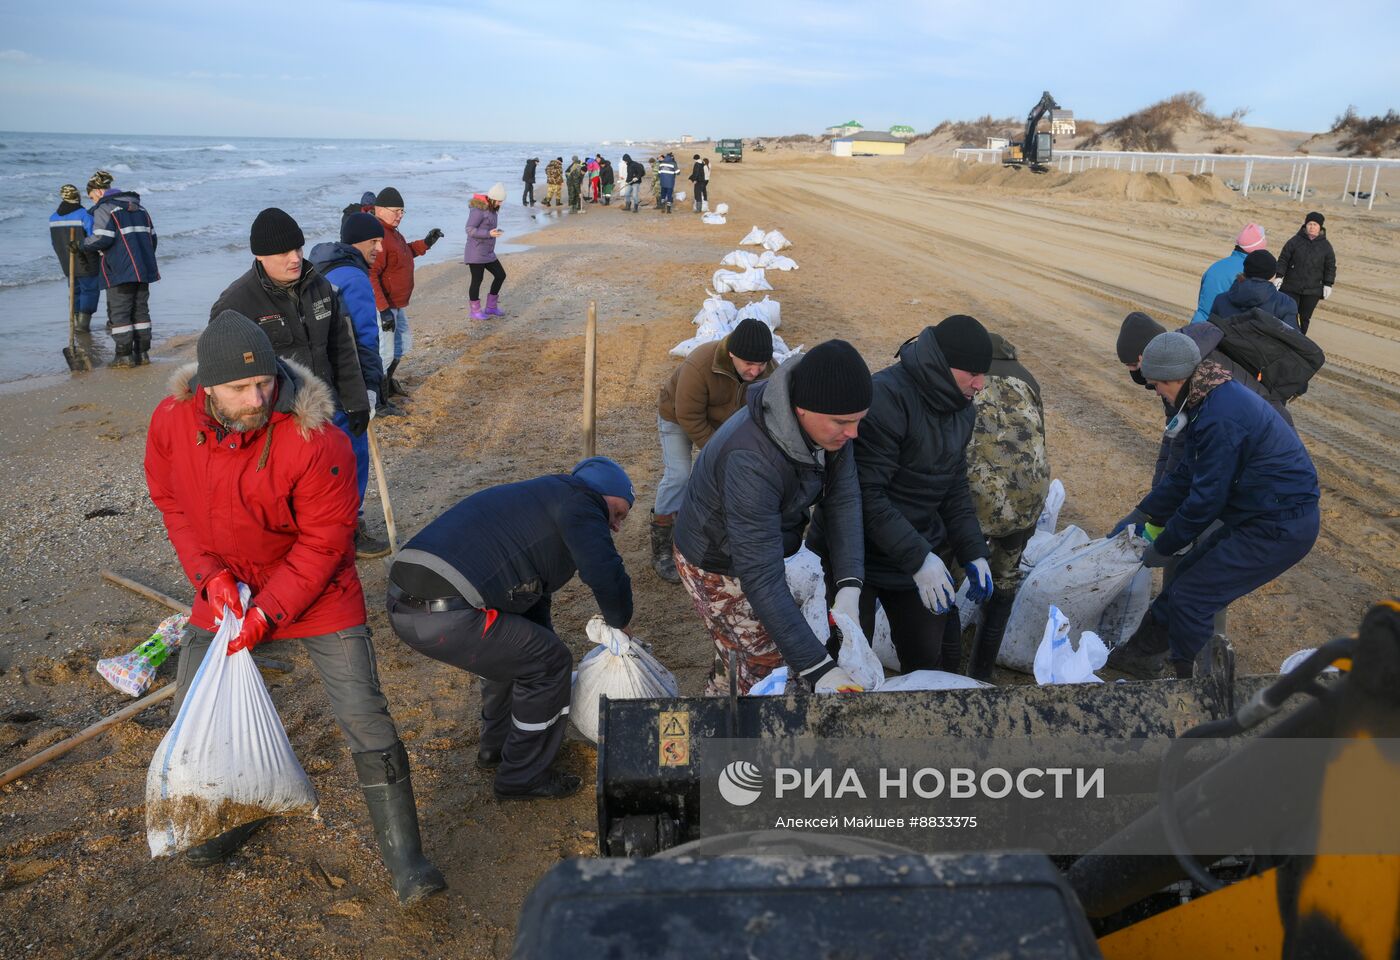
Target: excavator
[
  {"x": 1269, "y": 828},
  {"x": 1034, "y": 150}
]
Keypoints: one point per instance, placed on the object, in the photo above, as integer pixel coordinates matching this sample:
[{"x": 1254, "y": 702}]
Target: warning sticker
[{"x": 674, "y": 729}]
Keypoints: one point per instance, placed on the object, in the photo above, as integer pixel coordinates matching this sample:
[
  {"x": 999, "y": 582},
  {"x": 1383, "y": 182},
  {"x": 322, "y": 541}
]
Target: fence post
[
  {"x": 590, "y": 382},
  {"x": 1248, "y": 175},
  {"x": 1375, "y": 179},
  {"x": 1303, "y": 188}
]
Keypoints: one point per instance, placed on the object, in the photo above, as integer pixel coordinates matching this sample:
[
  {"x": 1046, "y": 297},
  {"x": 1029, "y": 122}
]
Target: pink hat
[{"x": 1251, "y": 238}]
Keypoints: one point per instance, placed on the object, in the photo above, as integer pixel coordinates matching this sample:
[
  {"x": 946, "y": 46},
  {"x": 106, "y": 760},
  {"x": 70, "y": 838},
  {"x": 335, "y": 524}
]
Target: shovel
[{"x": 76, "y": 357}]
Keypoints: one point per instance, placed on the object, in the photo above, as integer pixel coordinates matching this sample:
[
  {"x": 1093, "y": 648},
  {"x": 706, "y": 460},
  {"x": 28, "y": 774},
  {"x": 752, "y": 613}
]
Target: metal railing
[{"x": 1146, "y": 162}]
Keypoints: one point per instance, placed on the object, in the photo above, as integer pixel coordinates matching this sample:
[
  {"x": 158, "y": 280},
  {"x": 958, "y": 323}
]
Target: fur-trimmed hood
[{"x": 300, "y": 394}]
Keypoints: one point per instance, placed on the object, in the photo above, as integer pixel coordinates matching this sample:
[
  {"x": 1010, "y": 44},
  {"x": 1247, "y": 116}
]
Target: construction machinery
[
  {"x": 1304, "y": 857},
  {"x": 730, "y": 151},
  {"x": 1034, "y": 150}
]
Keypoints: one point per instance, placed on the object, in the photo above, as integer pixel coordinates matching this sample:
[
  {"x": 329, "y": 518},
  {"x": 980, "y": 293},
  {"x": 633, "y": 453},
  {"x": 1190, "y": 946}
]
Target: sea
[{"x": 203, "y": 193}]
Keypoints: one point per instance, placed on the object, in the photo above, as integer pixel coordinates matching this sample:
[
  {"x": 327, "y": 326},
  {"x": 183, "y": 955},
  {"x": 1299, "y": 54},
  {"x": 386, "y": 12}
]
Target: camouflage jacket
[
  {"x": 1006, "y": 464},
  {"x": 554, "y": 172}
]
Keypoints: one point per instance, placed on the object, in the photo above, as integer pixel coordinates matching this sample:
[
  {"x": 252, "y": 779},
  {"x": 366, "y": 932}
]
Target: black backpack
[{"x": 1280, "y": 356}]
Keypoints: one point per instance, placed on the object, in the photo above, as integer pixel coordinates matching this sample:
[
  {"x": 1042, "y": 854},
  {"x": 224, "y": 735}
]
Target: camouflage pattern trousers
[{"x": 733, "y": 627}]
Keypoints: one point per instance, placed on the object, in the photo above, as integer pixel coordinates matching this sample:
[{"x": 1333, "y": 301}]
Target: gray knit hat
[
  {"x": 232, "y": 348},
  {"x": 1170, "y": 356}
]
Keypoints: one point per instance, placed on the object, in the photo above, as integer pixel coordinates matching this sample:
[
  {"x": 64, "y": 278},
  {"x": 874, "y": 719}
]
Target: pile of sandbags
[
  {"x": 770, "y": 240},
  {"x": 750, "y": 281},
  {"x": 772, "y": 261}
]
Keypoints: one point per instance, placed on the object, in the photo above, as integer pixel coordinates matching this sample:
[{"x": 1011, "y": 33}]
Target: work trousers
[
  {"x": 525, "y": 672},
  {"x": 345, "y": 661},
  {"x": 1004, "y": 558},
  {"x": 498, "y": 277},
  {"x": 360, "y": 445},
  {"x": 574, "y": 200},
  {"x": 702, "y": 193},
  {"x": 393, "y": 344},
  {"x": 675, "y": 463},
  {"x": 86, "y": 293},
  {"x": 1307, "y": 303},
  {"x": 667, "y": 191},
  {"x": 923, "y": 640},
  {"x": 733, "y": 627},
  {"x": 129, "y": 317},
  {"x": 527, "y": 196},
  {"x": 1225, "y": 566},
  {"x": 552, "y": 192}
]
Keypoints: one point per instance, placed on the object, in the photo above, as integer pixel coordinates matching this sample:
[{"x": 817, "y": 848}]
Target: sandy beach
[{"x": 885, "y": 247}]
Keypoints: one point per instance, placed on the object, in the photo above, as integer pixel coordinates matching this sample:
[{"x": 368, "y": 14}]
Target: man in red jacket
[
  {"x": 257, "y": 486},
  {"x": 392, "y": 278}
]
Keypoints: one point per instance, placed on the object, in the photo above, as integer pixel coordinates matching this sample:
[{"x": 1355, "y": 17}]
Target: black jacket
[
  {"x": 529, "y": 176},
  {"x": 1307, "y": 265},
  {"x": 745, "y": 510},
  {"x": 606, "y": 173},
  {"x": 510, "y": 547},
  {"x": 635, "y": 171},
  {"x": 697, "y": 171},
  {"x": 911, "y": 455},
  {"x": 1250, "y": 294},
  {"x": 305, "y": 324}
]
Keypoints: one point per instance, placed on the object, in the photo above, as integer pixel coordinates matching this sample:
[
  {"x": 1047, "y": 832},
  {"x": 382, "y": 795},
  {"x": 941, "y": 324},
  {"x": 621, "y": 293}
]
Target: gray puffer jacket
[{"x": 746, "y": 506}]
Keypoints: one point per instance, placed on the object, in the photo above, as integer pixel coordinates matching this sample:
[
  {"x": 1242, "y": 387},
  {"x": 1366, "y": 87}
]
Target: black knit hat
[
  {"x": 274, "y": 231},
  {"x": 832, "y": 378},
  {"x": 1260, "y": 265},
  {"x": 751, "y": 340},
  {"x": 965, "y": 343},
  {"x": 1315, "y": 217},
  {"x": 232, "y": 348},
  {"x": 359, "y": 227},
  {"x": 388, "y": 197},
  {"x": 1136, "y": 333}
]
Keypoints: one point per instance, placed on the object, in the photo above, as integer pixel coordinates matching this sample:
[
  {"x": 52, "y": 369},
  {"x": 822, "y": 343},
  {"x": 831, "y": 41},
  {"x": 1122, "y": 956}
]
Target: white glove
[
  {"x": 934, "y": 584},
  {"x": 979, "y": 580},
  {"x": 848, "y": 603},
  {"x": 837, "y": 680},
  {"x": 1326, "y": 292},
  {"x": 1277, "y": 282},
  {"x": 373, "y": 403}
]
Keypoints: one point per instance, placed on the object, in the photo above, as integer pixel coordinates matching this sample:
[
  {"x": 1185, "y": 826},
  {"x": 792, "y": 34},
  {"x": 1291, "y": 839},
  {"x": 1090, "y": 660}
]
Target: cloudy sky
[{"x": 521, "y": 70}]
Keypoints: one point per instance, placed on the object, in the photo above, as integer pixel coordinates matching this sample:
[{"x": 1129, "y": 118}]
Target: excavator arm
[{"x": 1038, "y": 112}]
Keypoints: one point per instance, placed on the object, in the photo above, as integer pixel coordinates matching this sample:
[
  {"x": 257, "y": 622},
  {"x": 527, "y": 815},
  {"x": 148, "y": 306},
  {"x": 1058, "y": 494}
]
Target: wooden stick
[
  {"x": 590, "y": 382},
  {"x": 383, "y": 489}
]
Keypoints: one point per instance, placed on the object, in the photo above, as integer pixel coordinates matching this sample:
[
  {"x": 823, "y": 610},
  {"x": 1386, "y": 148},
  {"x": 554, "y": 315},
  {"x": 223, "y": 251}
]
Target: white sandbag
[
  {"x": 781, "y": 352},
  {"x": 773, "y": 261},
  {"x": 753, "y": 238},
  {"x": 619, "y": 668},
  {"x": 1050, "y": 513},
  {"x": 714, "y": 329},
  {"x": 716, "y": 307},
  {"x": 855, "y": 655},
  {"x": 686, "y": 347},
  {"x": 721, "y": 208},
  {"x": 743, "y": 259},
  {"x": 1082, "y": 581},
  {"x": 1294, "y": 660},
  {"x": 226, "y": 759},
  {"x": 775, "y": 241},
  {"x": 714, "y": 219},
  {"x": 883, "y": 642},
  {"x": 680, "y": 196},
  {"x": 752, "y": 279},
  {"x": 1042, "y": 545},
  {"x": 771, "y": 685},
  {"x": 969, "y": 611},
  {"x": 931, "y": 680},
  {"x": 806, "y": 581},
  {"x": 768, "y": 310},
  {"x": 1121, "y": 617},
  {"x": 1059, "y": 661}
]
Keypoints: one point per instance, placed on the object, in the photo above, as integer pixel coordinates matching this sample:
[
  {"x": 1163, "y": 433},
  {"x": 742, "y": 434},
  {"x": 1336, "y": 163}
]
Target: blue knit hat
[{"x": 606, "y": 477}]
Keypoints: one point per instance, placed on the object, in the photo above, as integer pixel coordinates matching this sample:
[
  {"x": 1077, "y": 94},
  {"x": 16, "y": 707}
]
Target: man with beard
[{"x": 257, "y": 487}]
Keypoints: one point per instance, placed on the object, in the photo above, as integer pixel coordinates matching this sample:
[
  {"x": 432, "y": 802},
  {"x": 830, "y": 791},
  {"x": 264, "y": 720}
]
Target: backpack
[{"x": 1281, "y": 357}]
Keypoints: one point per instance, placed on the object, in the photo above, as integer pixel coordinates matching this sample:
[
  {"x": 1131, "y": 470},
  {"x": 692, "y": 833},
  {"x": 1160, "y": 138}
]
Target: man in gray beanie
[
  {"x": 1241, "y": 465},
  {"x": 257, "y": 487}
]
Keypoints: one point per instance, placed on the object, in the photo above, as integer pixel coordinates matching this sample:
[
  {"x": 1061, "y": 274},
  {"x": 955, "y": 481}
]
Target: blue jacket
[
  {"x": 1219, "y": 277},
  {"x": 62, "y": 224},
  {"x": 1248, "y": 294},
  {"x": 122, "y": 230},
  {"x": 1240, "y": 461},
  {"x": 509, "y": 547},
  {"x": 346, "y": 269}
]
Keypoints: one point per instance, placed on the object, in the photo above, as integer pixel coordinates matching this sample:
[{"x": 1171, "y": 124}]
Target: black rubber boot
[
  {"x": 368, "y": 546},
  {"x": 1144, "y": 654},
  {"x": 554, "y": 786},
  {"x": 224, "y": 845},
  {"x": 388, "y": 790},
  {"x": 988, "y": 643},
  {"x": 488, "y": 758},
  {"x": 84, "y": 323},
  {"x": 122, "y": 361},
  {"x": 662, "y": 534}
]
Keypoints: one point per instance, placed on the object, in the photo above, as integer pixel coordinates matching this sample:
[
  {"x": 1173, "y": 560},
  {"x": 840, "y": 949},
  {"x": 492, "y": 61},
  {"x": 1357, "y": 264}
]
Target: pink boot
[
  {"x": 477, "y": 312},
  {"x": 491, "y": 308}
]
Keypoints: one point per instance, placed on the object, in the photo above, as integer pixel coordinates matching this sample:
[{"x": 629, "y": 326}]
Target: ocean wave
[
  {"x": 119, "y": 168},
  {"x": 128, "y": 148},
  {"x": 11, "y": 213},
  {"x": 325, "y": 146}
]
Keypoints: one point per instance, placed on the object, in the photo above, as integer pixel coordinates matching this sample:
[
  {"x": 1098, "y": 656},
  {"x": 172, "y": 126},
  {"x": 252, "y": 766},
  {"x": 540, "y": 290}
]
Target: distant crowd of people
[{"x": 593, "y": 181}]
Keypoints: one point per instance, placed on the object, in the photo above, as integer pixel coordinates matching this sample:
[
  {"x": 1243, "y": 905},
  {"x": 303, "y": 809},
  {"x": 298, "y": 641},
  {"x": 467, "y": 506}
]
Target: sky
[{"x": 548, "y": 71}]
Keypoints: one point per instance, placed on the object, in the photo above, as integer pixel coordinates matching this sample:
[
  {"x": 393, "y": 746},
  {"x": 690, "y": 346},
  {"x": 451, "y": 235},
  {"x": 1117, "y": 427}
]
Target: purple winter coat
[{"x": 481, "y": 246}]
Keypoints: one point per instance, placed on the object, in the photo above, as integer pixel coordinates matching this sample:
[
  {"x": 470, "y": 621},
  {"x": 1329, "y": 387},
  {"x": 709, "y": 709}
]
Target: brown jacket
[{"x": 704, "y": 391}]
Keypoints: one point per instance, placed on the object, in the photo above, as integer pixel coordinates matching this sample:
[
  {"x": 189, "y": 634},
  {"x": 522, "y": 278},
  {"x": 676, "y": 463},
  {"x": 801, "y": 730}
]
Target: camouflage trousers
[
  {"x": 552, "y": 193},
  {"x": 1004, "y": 557},
  {"x": 732, "y": 625}
]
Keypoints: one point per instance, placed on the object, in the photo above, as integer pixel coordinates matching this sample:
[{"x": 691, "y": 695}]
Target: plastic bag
[
  {"x": 133, "y": 673},
  {"x": 721, "y": 208},
  {"x": 727, "y": 281},
  {"x": 743, "y": 259},
  {"x": 930, "y": 680},
  {"x": 1082, "y": 581},
  {"x": 855, "y": 655},
  {"x": 1042, "y": 545},
  {"x": 1294, "y": 659},
  {"x": 1121, "y": 618},
  {"x": 772, "y": 685},
  {"x": 781, "y": 351},
  {"x": 619, "y": 668},
  {"x": 1054, "y": 500},
  {"x": 680, "y": 196},
  {"x": 768, "y": 310},
  {"x": 716, "y": 307},
  {"x": 226, "y": 759},
  {"x": 753, "y": 238},
  {"x": 1058, "y": 661},
  {"x": 775, "y": 241},
  {"x": 773, "y": 261},
  {"x": 807, "y": 583},
  {"x": 714, "y": 219}
]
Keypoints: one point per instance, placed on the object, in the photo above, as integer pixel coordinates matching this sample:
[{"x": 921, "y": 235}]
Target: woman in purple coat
[{"x": 481, "y": 250}]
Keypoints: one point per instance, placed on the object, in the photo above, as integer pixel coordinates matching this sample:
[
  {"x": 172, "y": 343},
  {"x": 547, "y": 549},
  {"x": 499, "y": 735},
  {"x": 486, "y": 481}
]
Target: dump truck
[
  {"x": 730, "y": 151},
  {"x": 1232, "y": 852}
]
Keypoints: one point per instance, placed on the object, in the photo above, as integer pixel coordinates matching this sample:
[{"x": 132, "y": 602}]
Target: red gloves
[
  {"x": 221, "y": 591},
  {"x": 256, "y": 628}
]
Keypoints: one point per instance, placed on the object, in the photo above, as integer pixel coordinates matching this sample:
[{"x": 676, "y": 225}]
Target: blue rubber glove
[
  {"x": 1135, "y": 519},
  {"x": 979, "y": 580}
]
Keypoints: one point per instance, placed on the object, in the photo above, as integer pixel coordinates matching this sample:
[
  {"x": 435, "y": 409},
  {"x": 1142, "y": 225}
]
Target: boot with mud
[
  {"x": 988, "y": 643},
  {"x": 122, "y": 361},
  {"x": 662, "y": 533},
  {"x": 388, "y": 790},
  {"x": 1144, "y": 654},
  {"x": 224, "y": 845},
  {"x": 83, "y": 324},
  {"x": 555, "y": 786},
  {"x": 367, "y": 545}
]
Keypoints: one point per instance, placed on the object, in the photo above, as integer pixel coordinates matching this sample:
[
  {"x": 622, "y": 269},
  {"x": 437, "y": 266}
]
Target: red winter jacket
[
  {"x": 392, "y": 272},
  {"x": 277, "y": 506}
]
